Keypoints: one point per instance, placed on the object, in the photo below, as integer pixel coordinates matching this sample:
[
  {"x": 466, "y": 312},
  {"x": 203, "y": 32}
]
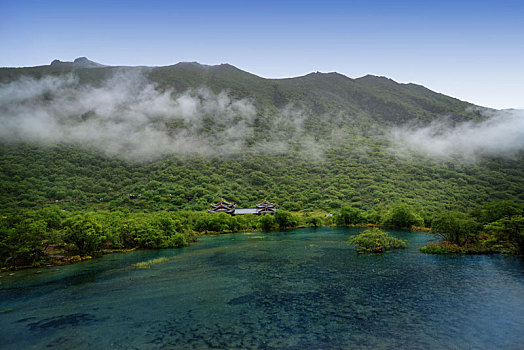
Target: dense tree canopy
[
  {"x": 402, "y": 216},
  {"x": 455, "y": 227}
]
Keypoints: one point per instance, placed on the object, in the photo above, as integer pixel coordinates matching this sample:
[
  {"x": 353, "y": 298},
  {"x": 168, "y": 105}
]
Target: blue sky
[{"x": 472, "y": 50}]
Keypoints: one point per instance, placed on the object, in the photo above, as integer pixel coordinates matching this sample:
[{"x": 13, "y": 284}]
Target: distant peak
[
  {"x": 83, "y": 62},
  {"x": 324, "y": 76},
  {"x": 80, "y": 62},
  {"x": 190, "y": 64},
  {"x": 194, "y": 63},
  {"x": 326, "y": 73},
  {"x": 225, "y": 66},
  {"x": 375, "y": 78},
  {"x": 56, "y": 62}
]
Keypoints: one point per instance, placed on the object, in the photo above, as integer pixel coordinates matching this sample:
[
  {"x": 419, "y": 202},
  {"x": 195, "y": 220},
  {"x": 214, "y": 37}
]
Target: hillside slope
[{"x": 186, "y": 135}]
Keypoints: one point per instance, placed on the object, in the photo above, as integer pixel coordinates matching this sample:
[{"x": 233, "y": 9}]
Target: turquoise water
[{"x": 300, "y": 289}]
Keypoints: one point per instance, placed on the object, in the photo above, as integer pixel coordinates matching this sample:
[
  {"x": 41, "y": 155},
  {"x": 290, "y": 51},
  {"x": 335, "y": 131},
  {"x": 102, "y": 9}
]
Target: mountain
[
  {"x": 380, "y": 98},
  {"x": 83, "y": 135},
  {"x": 383, "y": 99}
]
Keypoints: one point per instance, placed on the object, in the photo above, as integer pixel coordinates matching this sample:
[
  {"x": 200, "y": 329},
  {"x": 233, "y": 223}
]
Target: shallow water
[{"x": 294, "y": 289}]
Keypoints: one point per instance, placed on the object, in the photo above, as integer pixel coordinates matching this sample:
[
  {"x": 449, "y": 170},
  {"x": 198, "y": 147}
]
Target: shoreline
[{"x": 62, "y": 260}]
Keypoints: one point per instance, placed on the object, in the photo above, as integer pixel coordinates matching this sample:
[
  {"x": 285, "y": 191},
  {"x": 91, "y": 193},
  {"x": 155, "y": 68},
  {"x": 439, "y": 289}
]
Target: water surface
[{"x": 294, "y": 289}]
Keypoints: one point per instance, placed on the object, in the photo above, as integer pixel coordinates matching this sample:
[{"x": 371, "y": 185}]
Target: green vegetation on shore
[
  {"x": 498, "y": 227},
  {"x": 51, "y": 235}
]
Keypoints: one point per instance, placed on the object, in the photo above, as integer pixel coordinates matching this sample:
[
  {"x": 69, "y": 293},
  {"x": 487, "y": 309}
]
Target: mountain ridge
[
  {"x": 179, "y": 74},
  {"x": 379, "y": 99}
]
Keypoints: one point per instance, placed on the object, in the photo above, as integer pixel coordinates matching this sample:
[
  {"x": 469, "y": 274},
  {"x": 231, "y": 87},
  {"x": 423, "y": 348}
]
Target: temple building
[
  {"x": 223, "y": 207},
  {"x": 265, "y": 207},
  {"x": 262, "y": 208}
]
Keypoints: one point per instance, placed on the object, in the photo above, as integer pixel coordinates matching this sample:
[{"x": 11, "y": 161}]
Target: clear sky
[{"x": 472, "y": 50}]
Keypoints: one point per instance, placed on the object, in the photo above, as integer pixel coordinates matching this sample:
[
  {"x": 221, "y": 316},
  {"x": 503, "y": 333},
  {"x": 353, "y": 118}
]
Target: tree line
[{"x": 35, "y": 237}]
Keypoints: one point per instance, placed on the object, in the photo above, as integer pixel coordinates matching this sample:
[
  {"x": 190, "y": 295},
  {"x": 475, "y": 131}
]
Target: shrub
[
  {"x": 22, "y": 243},
  {"x": 215, "y": 222},
  {"x": 137, "y": 232},
  {"x": 446, "y": 247},
  {"x": 177, "y": 240},
  {"x": 442, "y": 248},
  {"x": 375, "y": 241},
  {"x": 497, "y": 210},
  {"x": 247, "y": 222}
]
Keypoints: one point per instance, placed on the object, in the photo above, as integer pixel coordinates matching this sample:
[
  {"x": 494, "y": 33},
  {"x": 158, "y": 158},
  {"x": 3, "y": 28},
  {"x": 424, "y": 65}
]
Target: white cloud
[
  {"x": 501, "y": 134},
  {"x": 130, "y": 117}
]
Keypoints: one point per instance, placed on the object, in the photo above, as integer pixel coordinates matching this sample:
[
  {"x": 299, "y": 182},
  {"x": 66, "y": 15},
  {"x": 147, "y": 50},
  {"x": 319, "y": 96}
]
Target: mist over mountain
[
  {"x": 204, "y": 132},
  {"x": 192, "y": 108},
  {"x": 500, "y": 134}
]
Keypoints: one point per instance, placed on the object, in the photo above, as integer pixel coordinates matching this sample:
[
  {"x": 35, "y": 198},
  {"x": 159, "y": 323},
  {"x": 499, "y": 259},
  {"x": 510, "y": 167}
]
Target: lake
[{"x": 293, "y": 289}]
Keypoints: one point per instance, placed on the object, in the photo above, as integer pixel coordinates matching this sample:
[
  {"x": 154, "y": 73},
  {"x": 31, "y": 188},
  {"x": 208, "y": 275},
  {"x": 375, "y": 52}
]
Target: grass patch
[{"x": 147, "y": 264}]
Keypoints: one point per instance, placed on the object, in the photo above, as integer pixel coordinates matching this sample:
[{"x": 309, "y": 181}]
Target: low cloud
[
  {"x": 500, "y": 134},
  {"x": 130, "y": 117}
]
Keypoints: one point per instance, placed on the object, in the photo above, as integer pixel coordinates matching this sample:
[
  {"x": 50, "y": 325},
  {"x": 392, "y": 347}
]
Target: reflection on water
[{"x": 294, "y": 289}]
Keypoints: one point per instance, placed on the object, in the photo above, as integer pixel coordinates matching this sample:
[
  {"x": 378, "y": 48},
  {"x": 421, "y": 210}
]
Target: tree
[
  {"x": 455, "y": 227},
  {"x": 285, "y": 219},
  {"x": 266, "y": 222},
  {"x": 497, "y": 210},
  {"x": 215, "y": 222},
  {"x": 349, "y": 216},
  {"x": 401, "y": 216},
  {"x": 315, "y": 221},
  {"x": 85, "y": 233},
  {"x": 22, "y": 243},
  {"x": 510, "y": 229},
  {"x": 176, "y": 240}
]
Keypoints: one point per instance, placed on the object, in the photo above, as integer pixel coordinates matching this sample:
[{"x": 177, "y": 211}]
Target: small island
[{"x": 375, "y": 240}]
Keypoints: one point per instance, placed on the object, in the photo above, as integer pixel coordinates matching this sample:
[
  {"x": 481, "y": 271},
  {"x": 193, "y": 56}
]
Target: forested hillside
[
  {"x": 73, "y": 178},
  {"x": 183, "y": 136}
]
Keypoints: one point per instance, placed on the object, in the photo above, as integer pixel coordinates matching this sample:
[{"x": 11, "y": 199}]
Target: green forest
[
  {"x": 72, "y": 179},
  {"x": 30, "y": 237},
  {"x": 318, "y": 146}
]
